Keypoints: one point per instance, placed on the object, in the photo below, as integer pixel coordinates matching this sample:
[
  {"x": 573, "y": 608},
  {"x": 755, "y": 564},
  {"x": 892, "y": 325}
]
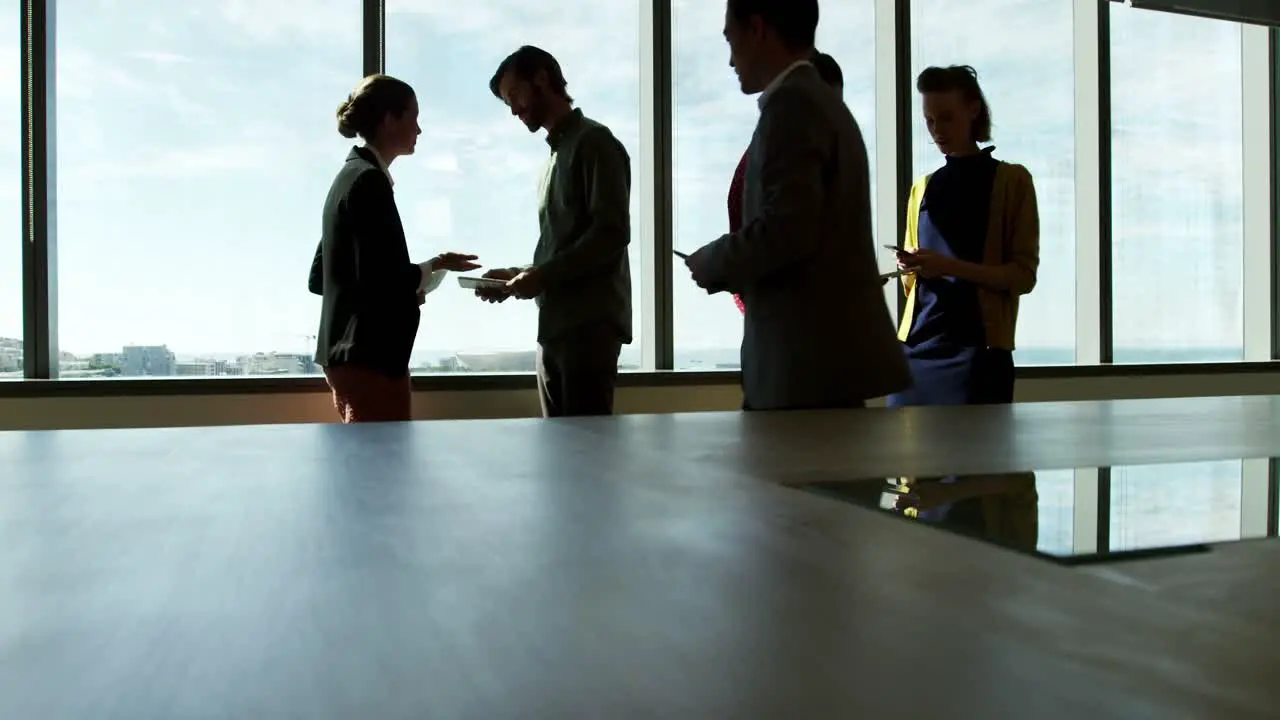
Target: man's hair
[
  {"x": 524, "y": 64},
  {"x": 828, "y": 69},
  {"x": 963, "y": 79},
  {"x": 795, "y": 21}
]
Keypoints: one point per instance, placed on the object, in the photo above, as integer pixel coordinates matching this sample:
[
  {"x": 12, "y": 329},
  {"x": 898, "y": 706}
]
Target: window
[
  {"x": 712, "y": 126},
  {"x": 1056, "y": 495},
  {"x": 473, "y": 185},
  {"x": 11, "y": 209},
  {"x": 1155, "y": 505},
  {"x": 1024, "y": 53},
  {"x": 1178, "y": 191},
  {"x": 196, "y": 142}
]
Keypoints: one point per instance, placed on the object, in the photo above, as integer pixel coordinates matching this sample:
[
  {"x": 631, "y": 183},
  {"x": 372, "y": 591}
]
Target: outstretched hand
[{"x": 456, "y": 262}]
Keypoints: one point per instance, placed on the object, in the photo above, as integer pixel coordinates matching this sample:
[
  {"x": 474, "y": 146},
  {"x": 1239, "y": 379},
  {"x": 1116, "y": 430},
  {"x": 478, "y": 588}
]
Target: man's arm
[
  {"x": 315, "y": 282},
  {"x": 786, "y": 228},
  {"x": 604, "y": 170}
]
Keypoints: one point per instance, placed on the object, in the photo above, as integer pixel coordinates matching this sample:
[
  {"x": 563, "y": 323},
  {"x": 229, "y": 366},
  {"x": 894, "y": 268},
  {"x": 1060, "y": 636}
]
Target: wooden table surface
[{"x": 631, "y": 567}]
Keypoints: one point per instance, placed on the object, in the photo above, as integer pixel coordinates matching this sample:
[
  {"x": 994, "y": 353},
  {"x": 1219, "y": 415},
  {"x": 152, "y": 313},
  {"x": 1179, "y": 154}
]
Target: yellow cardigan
[
  {"x": 1010, "y": 505},
  {"x": 1013, "y": 238}
]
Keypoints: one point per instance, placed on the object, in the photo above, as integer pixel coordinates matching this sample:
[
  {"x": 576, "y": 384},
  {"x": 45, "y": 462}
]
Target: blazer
[
  {"x": 817, "y": 331},
  {"x": 369, "y": 317},
  {"x": 735, "y": 211},
  {"x": 1013, "y": 238}
]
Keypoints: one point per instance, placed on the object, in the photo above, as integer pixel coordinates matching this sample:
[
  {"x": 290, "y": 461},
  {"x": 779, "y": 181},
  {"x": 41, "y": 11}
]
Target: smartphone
[
  {"x": 477, "y": 283},
  {"x": 681, "y": 255}
]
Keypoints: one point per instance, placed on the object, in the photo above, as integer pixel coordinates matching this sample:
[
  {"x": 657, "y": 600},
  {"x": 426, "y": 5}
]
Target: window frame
[{"x": 895, "y": 108}]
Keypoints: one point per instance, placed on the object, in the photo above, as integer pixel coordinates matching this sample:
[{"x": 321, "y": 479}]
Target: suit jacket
[
  {"x": 735, "y": 211},
  {"x": 818, "y": 332},
  {"x": 370, "y": 314}
]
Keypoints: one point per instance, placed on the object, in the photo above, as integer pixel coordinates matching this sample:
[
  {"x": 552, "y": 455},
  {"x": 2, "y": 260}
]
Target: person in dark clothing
[
  {"x": 817, "y": 333},
  {"x": 371, "y": 289},
  {"x": 580, "y": 276},
  {"x": 829, "y": 70},
  {"x": 972, "y": 248}
]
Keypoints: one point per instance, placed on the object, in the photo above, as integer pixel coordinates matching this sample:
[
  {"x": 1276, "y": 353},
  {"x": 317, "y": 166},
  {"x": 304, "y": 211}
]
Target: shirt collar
[
  {"x": 773, "y": 84},
  {"x": 382, "y": 164},
  {"x": 570, "y": 121}
]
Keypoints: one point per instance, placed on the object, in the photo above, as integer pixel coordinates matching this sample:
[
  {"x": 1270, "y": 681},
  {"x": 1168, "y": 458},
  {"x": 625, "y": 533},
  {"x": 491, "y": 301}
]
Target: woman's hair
[
  {"x": 369, "y": 104},
  {"x": 963, "y": 79}
]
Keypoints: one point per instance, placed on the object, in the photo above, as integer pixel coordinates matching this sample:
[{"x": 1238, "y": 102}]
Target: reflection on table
[{"x": 1002, "y": 508}]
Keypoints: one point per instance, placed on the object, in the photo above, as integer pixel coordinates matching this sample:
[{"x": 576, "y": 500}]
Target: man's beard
[{"x": 537, "y": 112}]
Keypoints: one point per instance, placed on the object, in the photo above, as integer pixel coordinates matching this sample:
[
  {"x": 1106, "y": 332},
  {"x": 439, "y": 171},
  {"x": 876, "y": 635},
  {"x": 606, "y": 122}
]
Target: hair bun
[
  {"x": 346, "y": 128},
  {"x": 375, "y": 99}
]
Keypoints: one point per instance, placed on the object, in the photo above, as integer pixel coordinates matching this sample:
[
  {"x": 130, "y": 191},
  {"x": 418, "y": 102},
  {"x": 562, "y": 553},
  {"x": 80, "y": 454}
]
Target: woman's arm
[
  {"x": 993, "y": 277},
  {"x": 1024, "y": 232},
  {"x": 1018, "y": 274}
]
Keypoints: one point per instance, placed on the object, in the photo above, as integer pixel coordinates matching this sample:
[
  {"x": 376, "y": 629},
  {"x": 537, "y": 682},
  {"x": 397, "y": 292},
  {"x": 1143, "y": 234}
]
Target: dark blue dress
[{"x": 947, "y": 346}]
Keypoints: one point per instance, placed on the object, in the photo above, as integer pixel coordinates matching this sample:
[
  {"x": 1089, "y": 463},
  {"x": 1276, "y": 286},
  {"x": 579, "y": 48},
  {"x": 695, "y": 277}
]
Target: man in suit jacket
[{"x": 818, "y": 333}]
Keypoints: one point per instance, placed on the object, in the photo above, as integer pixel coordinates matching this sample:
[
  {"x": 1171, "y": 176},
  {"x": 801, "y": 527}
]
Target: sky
[{"x": 196, "y": 142}]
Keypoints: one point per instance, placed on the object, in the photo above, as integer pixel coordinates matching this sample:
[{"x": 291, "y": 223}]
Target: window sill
[{"x": 479, "y": 382}]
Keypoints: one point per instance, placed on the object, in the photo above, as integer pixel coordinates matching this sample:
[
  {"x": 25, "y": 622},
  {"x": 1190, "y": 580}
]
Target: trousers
[{"x": 362, "y": 395}]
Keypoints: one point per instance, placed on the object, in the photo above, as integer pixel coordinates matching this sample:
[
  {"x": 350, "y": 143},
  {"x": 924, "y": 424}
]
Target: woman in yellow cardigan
[{"x": 972, "y": 248}]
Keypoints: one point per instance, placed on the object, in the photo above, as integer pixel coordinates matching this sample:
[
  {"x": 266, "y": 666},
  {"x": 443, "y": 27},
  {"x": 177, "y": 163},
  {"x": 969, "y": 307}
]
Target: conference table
[{"x": 704, "y": 565}]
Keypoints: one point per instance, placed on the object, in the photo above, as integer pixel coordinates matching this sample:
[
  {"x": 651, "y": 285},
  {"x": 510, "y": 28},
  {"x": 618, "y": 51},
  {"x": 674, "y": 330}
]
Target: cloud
[
  {"x": 160, "y": 57},
  {"x": 432, "y": 218},
  {"x": 178, "y": 164},
  {"x": 442, "y": 162},
  {"x": 596, "y": 42},
  {"x": 317, "y": 21}
]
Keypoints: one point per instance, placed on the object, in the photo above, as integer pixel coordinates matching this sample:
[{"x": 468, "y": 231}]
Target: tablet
[{"x": 475, "y": 283}]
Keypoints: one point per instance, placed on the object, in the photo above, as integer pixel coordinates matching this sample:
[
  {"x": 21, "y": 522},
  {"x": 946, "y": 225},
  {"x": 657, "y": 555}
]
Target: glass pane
[
  {"x": 474, "y": 185},
  {"x": 1024, "y": 53},
  {"x": 1178, "y": 189},
  {"x": 1057, "y": 498},
  {"x": 712, "y": 126},
  {"x": 196, "y": 142},
  {"x": 1160, "y": 505},
  {"x": 11, "y": 207}
]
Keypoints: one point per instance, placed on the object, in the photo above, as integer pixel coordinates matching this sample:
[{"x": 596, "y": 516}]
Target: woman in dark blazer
[
  {"x": 371, "y": 289},
  {"x": 829, "y": 70}
]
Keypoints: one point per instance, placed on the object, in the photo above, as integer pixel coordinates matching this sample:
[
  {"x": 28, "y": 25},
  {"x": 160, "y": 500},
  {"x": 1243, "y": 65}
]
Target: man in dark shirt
[{"x": 580, "y": 276}]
